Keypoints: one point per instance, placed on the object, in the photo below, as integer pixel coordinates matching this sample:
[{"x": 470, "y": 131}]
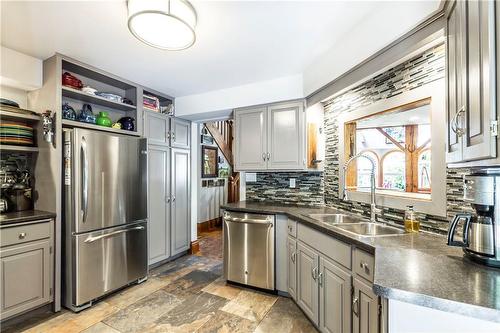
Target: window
[{"x": 399, "y": 141}]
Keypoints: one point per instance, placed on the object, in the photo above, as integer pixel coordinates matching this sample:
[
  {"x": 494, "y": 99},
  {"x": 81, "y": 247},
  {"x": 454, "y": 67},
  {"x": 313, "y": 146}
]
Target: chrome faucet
[{"x": 374, "y": 210}]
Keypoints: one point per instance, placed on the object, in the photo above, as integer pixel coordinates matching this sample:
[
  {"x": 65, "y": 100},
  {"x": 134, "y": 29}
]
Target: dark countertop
[
  {"x": 25, "y": 216},
  {"x": 414, "y": 268}
]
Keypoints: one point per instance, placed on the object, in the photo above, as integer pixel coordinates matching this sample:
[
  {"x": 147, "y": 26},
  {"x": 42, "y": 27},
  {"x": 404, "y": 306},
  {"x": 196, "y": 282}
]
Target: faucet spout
[{"x": 374, "y": 210}]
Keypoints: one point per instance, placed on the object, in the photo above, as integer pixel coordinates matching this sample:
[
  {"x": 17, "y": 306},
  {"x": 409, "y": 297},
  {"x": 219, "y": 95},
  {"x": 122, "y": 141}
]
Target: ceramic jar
[
  {"x": 103, "y": 119},
  {"x": 86, "y": 114}
]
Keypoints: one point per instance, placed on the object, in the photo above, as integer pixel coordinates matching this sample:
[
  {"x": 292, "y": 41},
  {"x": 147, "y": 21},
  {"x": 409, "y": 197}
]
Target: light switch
[{"x": 292, "y": 182}]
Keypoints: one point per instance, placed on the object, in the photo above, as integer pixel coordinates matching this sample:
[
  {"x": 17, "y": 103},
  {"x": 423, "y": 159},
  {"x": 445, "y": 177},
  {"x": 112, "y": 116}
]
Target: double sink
[{"x": 356, "y": 226}]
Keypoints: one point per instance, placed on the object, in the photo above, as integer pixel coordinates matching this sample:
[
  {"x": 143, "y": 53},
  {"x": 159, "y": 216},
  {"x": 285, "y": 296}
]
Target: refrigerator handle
[{"x": 85, "y": 179}]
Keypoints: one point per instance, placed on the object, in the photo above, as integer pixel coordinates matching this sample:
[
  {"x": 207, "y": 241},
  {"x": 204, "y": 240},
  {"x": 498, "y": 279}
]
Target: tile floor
[{"x": 186, "y": 295}]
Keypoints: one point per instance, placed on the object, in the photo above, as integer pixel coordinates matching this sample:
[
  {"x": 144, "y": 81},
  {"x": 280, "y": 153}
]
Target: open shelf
[
  {"x": 79, "y": 124},
  {"x": 11, "y": 113},
  {"x": 94, "y": 99},
  {"x": 14, "y": 148}
]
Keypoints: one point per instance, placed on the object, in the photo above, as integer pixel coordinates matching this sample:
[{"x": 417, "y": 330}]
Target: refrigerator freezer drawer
[{"x": 107, "y": 260}]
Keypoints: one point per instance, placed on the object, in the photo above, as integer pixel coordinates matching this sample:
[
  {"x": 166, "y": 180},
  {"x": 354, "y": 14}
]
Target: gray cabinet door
[
  {"x": 157, "y": 128},
  {"x": 25, "y": 277},
  {"x": 251, "y": 139},
  {"x": 181, "y": 133},
  {"x": 307, "y": 281},
  {"x": 364, "y": 308},
  {"x": 292, "y": 267},
  {"x": 334, "y": 298},
  {"x": 456, "y": 48},
  {"x": 479, "y": 143},
  {"x": 285, "y": 136},
  {"x": 181, "y": 231},
  {"x": 158, "y": 203}
]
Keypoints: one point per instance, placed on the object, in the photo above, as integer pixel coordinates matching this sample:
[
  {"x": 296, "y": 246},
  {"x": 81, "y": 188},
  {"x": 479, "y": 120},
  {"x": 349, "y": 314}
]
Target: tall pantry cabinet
[{"x": 168, "y": 185}]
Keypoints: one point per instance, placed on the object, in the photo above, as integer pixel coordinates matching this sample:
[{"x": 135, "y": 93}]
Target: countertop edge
[
  {"x": 25, "y": 216},
  {"x": 442, "y": 304}
]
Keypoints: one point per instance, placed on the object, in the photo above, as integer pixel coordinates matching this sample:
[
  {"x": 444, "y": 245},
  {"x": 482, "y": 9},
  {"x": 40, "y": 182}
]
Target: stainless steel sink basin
[
  {"x": 370, "y": 229},
  {"x": 335, "y": 218}
]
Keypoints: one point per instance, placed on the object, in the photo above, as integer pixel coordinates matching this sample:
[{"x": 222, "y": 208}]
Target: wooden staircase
[{"x": 222, "y": 132}]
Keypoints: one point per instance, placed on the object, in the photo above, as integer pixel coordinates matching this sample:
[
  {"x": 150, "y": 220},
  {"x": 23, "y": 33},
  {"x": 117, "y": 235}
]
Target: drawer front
[
  {"x": 364, "y": 264},
  {"x": 292, "y": 228},
  {"x": 25, "y": 233},
  {"x": 331, "y": 247}
]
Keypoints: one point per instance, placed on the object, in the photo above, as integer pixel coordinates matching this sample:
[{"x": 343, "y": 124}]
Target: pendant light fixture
[{"x": 164, "y": 24}]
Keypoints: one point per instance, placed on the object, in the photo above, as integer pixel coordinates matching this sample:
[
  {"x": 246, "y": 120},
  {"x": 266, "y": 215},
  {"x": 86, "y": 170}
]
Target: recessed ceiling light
[{"x": 164, "y": 24}]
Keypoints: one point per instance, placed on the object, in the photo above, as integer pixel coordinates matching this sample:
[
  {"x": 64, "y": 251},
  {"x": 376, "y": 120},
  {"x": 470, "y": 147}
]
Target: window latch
[{"x": 494, "y": 128}]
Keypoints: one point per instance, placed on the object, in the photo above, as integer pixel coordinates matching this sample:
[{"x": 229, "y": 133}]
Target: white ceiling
[{"x": 238, "y": 42}]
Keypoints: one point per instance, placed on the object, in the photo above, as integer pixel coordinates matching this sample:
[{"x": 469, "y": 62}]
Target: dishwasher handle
[{"x": 248, "y": 221}]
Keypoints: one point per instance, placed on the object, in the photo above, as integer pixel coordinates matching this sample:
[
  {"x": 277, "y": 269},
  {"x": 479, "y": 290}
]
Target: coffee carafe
[{"x": 481, "y": 232}]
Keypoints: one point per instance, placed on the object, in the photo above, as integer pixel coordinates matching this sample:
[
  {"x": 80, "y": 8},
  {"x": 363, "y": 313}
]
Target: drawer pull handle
[
  {"x": 22, "y": 235},
  {"x": 293, "y": 257}
]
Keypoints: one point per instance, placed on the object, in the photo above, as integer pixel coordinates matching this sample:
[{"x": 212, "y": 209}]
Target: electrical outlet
[{"x": 292, "y": 182}]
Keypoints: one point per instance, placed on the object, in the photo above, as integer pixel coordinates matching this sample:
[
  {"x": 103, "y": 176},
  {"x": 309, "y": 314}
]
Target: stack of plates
[{"x": 14, "y": 133}]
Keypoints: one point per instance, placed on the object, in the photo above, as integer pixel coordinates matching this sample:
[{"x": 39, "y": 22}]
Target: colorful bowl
[{"x": 16, "y": 133}]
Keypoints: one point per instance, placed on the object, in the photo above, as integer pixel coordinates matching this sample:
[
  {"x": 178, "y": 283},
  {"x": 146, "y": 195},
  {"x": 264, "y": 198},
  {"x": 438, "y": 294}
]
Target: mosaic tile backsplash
[
  {"x": 416, "y": 72},
  {"x": 274, "y": 186}
]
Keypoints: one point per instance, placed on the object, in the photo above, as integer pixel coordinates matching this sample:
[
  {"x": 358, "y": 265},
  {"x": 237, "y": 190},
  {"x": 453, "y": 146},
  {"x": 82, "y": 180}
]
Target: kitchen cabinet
[
  {"x": 365, "y": 308},
  {"x": 250, "y": 139},
  {"x": 471, "y": 81},
  {"x": 26, "y": 267},
  {"x": 158, "y": 203},
  {"x": 292, "y": 267},
  {"x": 180, "y": 133},
  {"x": 334, "y": 297},
  {"x": 285, "y": 136},
  {"x": 270, "y": 137},
  {"x": 181, "y": 231},
  {"x": 157, "y": 128},
  {"x": 307, "y": 281},
  {"x": 161, "y": 129}
]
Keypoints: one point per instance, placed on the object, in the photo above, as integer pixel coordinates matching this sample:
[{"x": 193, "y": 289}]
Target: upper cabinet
[
  {"x": 161, "y": 129},
  {"x": 270, "y": 137},
  {"x": 180, "y": 133},
  {"x": 471, "y": 82}
]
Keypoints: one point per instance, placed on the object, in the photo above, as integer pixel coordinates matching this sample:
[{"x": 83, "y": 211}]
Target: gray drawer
[
  {"x": 331, "y": 247},
  {"x": 25, "y": 233},
  {"x": 364, "y": 264},
  {"x": 292, "y": 228}
]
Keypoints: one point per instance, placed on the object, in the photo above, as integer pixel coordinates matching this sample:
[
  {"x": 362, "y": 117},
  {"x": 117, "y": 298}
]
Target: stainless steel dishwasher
[{"x": 249, "y": 249}]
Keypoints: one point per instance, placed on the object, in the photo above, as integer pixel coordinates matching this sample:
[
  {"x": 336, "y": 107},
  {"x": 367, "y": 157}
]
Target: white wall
[
  {"x": 18, "y": 70},
  {"x": 280, "y": 89},
  {"x": 376, "y": 31}
]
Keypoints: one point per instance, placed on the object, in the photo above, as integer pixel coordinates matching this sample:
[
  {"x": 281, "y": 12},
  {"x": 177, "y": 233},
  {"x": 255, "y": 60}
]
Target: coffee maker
[{"x": 481, "y": 229}]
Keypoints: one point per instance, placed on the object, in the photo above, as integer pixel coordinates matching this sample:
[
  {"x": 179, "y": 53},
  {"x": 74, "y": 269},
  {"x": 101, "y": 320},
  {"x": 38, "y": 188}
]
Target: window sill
[{"x": 397, "y": 194}]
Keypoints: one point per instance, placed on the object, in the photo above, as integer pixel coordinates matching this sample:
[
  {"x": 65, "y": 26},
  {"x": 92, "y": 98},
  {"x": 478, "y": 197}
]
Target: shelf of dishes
[
  {"x": 17, "y": 114},
  {"x": 102, "y": 119},
  {"x": 95, "y": 99},
  {"x": 17, "y": 128},
  {"x": 74, "y": 123}
]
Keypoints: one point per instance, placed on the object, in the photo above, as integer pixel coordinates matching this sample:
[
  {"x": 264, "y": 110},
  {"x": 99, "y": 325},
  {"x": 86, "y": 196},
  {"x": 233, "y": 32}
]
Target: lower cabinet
[
  {"x": 307, "y": 281},
  {"x": 334, "y": 297},
  {"x": 158, "y": 203},
  {"x": 26, "y": 268},
  {"x": 365, "y": 308},
  {"x": 292, "y": 267},
  {"x": 181, "y": 231}
]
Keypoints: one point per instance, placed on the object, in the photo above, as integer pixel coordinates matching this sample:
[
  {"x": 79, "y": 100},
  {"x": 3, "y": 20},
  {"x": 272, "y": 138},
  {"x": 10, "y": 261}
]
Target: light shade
[{"x": 164, "y": 24}]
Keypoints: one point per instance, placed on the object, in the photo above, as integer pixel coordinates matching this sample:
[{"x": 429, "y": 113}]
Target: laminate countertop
[
  {"x": 25, "y": 216},
  {"x": 418, "y": 268}
]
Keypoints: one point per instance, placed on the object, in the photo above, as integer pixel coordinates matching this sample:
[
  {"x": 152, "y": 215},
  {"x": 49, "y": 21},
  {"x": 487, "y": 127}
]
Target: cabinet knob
[
  {"x": 22, "y": 235},
  {"x": 173, "y": 199},
  {"x": 364, "y": 266}
]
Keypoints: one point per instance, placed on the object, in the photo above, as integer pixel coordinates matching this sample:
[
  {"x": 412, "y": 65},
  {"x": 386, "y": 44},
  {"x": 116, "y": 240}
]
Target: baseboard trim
[
  {"x": 209, "y": 225},
  {"x": 195, "y": 247}
]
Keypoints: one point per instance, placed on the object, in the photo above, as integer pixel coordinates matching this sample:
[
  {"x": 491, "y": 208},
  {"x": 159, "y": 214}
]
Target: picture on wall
[{"x": 210, "y": 165}]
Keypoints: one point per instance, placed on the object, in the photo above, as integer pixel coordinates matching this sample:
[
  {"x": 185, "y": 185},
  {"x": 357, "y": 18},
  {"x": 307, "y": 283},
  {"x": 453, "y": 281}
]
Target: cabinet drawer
[
  {"x": 25, "y": 233},
  {"x": 364, "y": 264},
  {"x": 331, "y": 247},
  {"x": 292, "y": 228}
]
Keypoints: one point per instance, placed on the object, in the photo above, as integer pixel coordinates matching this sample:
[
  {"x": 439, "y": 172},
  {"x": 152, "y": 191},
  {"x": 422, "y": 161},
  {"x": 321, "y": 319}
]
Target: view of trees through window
[{"x": 399, "y": 142}]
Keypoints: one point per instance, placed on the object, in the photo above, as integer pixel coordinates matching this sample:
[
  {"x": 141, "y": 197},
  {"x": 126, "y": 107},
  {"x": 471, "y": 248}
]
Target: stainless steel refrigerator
[{"x": 105, "y": 214}]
